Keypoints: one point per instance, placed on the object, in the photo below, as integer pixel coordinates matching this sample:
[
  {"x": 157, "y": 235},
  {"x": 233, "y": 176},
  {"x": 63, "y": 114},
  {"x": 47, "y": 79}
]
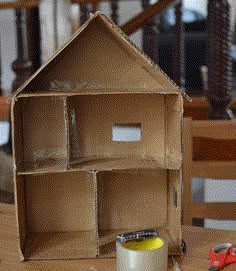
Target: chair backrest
[{"x": 210, "y": 153}]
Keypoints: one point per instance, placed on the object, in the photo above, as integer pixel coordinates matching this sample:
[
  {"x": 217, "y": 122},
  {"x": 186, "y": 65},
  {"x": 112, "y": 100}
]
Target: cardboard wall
[
  {"x": 56, "y": 202},
  {"x": 174, "y": 210},
  {"x": 21, "y": 211},
  {"x": 173, "y": 119},
  {"x": 17, "y": 136}
]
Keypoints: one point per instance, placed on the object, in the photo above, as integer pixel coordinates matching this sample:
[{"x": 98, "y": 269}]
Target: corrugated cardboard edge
[
  {"x": 141, "y": 53},
  {"x": 118, "y": 32},
  {"x": 95, "y": 182},
  {"x": 15, "y": 188}
]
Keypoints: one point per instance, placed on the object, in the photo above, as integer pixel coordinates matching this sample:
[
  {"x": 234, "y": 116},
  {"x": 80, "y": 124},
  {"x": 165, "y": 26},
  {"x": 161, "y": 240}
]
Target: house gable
[{"x": 99, "y": 58}]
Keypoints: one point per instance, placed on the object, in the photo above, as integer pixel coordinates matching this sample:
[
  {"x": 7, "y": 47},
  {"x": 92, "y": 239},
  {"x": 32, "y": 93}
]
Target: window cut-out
[{"x": 126, "y": 132}]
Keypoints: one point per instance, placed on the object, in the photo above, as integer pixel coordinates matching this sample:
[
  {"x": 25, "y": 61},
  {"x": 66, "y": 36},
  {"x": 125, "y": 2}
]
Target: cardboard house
[{"x": 97, "y": 148}]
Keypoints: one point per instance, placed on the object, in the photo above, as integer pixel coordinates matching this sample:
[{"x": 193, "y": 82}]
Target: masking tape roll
[{"x": 150, "y": 254}]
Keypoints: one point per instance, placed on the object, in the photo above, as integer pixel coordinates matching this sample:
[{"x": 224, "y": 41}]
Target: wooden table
[{"x": 198, "y": 240}]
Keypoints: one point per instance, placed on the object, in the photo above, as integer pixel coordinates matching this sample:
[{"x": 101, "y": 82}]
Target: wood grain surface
[{"x": 199, "y": 241}]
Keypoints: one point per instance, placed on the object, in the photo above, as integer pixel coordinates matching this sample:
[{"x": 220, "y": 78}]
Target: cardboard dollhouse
[{"x": 79, "y": 181}]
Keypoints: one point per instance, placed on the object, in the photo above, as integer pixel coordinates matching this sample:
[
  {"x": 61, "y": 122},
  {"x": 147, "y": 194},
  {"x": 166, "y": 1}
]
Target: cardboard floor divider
[{"x": 79, "y": 182}]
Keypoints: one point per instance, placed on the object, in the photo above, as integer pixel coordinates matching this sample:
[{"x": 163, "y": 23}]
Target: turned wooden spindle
[
  {"x": 114, "y": 9},
  {"x": 219, "y": 60},
  {"x": 34, "y": 39},
  {"x": 150, "y": 36},
  {"x": 22, "y": 65},
  {"x": 0, "y": 69},
  {"x": 84, "y": 12},
  {"x": 178, "y": 54}
]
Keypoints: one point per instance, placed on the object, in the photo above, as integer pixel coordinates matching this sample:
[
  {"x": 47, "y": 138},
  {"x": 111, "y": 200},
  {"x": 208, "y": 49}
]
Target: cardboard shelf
[
  {"x": 92, "y": 164},
  {"x": 49, "y": 166},
  {"x": 61, "y": 245},
  {"x": 98, "y": 163}
]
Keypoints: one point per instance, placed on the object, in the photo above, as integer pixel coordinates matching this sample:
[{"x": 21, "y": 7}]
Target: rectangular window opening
[{"x": 126, "y": 132}]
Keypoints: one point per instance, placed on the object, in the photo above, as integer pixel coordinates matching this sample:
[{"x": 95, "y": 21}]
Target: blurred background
[{"x": 177, "y": 39}]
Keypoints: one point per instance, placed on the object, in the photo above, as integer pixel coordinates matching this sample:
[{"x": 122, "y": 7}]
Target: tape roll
[{"x": 149, "y": 254}]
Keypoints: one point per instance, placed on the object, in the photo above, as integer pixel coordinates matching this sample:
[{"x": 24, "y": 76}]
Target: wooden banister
[
  {"x": 22, "y": 65},
  {"x": 114, "y": 11},
  {"x": 84, "y": 12},
  {"x": 150, "y": 35},
  {"x": 19, "y": 4},
  {"x": 138, "y": 21},
  {"x": 0, "y": 70},
  {"x": 179, "y": 63}
]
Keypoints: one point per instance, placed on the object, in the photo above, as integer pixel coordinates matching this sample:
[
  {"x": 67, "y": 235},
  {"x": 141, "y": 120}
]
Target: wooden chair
[{"x": 209, "y": 152}]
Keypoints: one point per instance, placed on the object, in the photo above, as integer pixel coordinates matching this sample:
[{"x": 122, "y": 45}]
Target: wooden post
[
  {"x": 219, "y": 60},
  {"x": 179, "y": 59},
  {"x": 0, "y": 69},
  {"x": 114, "y": 9},
  {"x": 22, "y": 65},
  {"x": 150, "y": 36},
  {"x": 84, "y": 12},
  {"x": 34, "y": 38}
]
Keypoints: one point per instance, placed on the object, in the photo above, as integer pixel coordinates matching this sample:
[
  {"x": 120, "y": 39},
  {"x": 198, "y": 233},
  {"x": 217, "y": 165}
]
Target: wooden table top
[{"x": 199, "y": 241}]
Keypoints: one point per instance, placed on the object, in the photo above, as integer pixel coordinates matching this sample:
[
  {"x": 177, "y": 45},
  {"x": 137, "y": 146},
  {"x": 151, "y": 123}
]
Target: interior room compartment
[
  {"x": 57, "y": 215},
  {"x": 122, "y": 130},
  {"x": 130, "y": 200},
  {"x": 41, "y": 134}
]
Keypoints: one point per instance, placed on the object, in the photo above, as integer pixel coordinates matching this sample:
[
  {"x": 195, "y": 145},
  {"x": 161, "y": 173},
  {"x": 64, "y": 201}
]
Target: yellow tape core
[{"x": 146, "y": 244}]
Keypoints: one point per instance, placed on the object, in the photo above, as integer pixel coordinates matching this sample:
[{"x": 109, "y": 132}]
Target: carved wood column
[
  {"x": 22, "y": 65},
  {"x": 179, "y": 55},
  {"x": 219, "y": 60},
  {"x": 150, "y": 35}
]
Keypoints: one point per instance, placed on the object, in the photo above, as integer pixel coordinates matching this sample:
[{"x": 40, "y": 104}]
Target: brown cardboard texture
[{"x": 97, "y": 148}]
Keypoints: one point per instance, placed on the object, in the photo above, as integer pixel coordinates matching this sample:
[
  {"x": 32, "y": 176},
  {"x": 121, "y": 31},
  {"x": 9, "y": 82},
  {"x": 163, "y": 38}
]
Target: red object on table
[{"x": 222, "y": 255}]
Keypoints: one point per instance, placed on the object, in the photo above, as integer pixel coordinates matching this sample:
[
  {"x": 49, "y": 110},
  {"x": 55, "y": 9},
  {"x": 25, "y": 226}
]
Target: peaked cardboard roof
[{"x": 99, "y": 58}]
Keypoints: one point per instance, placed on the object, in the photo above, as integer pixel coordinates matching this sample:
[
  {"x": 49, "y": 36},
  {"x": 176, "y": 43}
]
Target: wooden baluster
[
  {"x": 0, "y": 70},
  {"x": 22, "y": 65},
  {"x": 84, "y": 12},
  {"x": 34, "y": 38},
  {"x": 219, "y": 60},
  {"x": 114, "y": 9},
  {"x": 94, "y": 7},
  {"x": 150, "y": 36},
  {"x": 178, "y": 55}
]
